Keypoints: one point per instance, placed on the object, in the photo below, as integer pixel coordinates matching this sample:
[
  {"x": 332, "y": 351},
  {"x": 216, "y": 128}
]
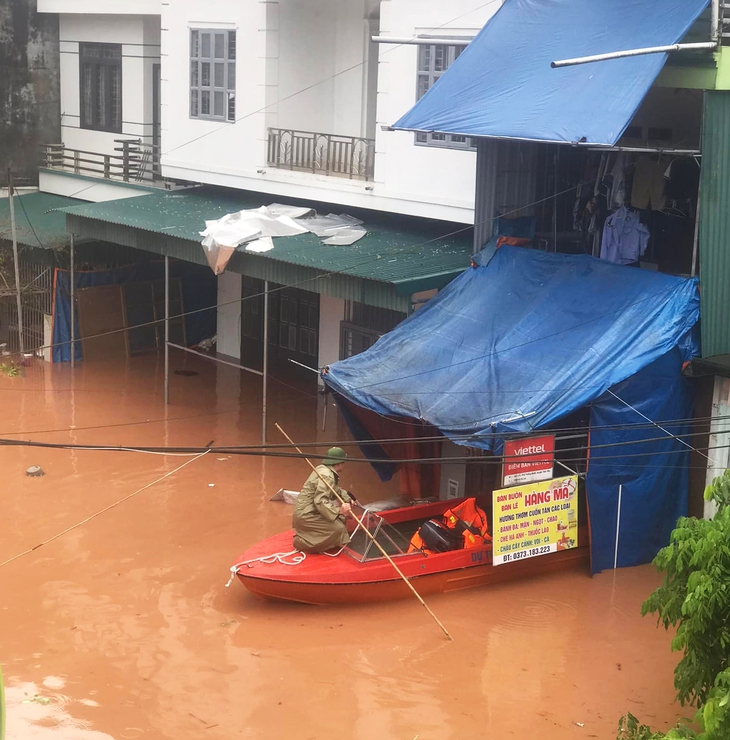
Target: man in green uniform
[{"x": 319, "y": 518}]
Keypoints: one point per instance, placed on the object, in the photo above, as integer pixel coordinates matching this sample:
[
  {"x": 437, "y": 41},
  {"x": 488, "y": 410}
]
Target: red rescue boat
[{"x": 359, "y": 573}]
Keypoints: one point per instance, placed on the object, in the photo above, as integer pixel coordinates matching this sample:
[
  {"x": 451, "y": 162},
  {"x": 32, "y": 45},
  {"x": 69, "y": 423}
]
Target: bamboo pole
[{"x": 369, "y": 534}]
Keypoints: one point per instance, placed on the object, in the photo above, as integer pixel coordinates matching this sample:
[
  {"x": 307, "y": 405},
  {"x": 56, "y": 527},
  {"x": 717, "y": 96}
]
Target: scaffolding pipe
[
  {"x": 646, "y": 150},
  {"x": 715, "y": 27},
  {"x": 167, "y": 330},
  {"x": 18, "y": 300},
  {"x": 708, "y": 45},
  {"x": 215, "y": 359},
  {"x": 72, "y": 291},
  {"x": 265, "y": 374}
]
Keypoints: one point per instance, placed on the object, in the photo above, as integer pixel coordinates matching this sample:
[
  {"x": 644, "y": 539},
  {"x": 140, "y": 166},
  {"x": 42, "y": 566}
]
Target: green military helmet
[{"x": 335, "y": 456}]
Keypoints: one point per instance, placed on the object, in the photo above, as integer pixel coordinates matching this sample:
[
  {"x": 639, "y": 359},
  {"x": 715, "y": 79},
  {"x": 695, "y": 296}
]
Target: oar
[{"x": 369, "y": 534}]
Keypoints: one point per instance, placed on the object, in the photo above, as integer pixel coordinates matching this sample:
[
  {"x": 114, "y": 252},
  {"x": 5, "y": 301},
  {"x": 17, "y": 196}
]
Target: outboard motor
[{"x": 439, "y": 538}]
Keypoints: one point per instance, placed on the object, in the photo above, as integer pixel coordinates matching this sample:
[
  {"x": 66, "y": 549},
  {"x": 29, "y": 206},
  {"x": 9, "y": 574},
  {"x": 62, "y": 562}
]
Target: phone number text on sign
[{"x": 535, "y": 519}]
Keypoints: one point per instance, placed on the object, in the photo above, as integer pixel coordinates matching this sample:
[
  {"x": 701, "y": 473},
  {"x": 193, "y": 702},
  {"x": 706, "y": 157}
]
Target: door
[{"x": 101, "y": 312}]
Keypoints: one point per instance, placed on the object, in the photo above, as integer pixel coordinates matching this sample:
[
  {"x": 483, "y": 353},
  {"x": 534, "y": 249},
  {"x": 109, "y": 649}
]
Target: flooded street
[{"x": 123, "y": 628}]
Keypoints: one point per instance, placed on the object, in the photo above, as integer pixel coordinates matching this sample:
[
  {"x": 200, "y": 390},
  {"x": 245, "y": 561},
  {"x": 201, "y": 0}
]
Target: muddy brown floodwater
[{"x": 122, "y": 628}]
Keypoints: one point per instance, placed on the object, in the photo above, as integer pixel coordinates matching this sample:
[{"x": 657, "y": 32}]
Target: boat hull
[
  {"x": 364, "y": 592},
  {"x": 274, "y": 570}
]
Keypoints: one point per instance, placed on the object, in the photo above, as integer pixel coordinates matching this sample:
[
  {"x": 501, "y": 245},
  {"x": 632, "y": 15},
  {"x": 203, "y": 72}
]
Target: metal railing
[
  {"x": 135, "y": 161},
  {"x": 36, "y": 288},
  {"x": 323, "y": 154}
]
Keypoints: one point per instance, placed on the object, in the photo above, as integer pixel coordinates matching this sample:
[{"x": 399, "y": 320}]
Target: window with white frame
[
  {"x": 213, "y": 74},
  {"x": 433, "y": 61},
  {"x": 101, "y": 86}
]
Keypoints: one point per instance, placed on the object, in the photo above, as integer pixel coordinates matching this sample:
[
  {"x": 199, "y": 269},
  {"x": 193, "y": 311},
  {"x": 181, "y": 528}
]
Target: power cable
[
  {"x": 261, "y": 451},
  {"x": 353, "y": 443},
  {"x": 22, "y": 205},
  {"x": 226, "y": 126},
  {"x": 345, "y": 270},
  {"x": 392, "y": 48},
  {"x": 102, "y": 511}
]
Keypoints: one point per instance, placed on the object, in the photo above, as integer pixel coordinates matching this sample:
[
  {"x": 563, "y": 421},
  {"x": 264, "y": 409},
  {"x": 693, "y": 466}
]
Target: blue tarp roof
[
  {"x": 515, "y": 344},
  {"x": 502, "y": 85}
]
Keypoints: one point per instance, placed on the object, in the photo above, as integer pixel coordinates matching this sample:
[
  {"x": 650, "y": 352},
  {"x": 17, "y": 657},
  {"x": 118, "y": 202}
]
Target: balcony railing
[
  {"x": 134, "y": 162},
  {"x": 323, "y": 154}
]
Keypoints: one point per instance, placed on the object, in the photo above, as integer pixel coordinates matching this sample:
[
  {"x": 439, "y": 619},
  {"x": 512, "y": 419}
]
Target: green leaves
[{"x": 694, "y": 599}]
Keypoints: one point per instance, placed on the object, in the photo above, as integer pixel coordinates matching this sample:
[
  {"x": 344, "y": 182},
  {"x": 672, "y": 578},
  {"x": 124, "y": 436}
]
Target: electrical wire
[
  {"x": 22, "y": 205},
  {"x": 280, "y": 451},
  {"x": 226, "y": 126},
  {"x": 391, "y": 49},
  {"x": 412, "y": 249},
  {"x": 102, "y": 511}
]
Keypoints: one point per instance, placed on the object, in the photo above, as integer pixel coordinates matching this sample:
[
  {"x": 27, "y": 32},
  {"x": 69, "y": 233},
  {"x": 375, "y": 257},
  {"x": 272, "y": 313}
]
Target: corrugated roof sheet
[
  {"x": 395, "y": 250},
  {"x": 714, "y": 225},
  {"x": 37, "y": 220}
]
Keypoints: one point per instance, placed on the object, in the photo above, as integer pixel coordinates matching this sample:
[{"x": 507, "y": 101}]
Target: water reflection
[{"x": 131, "y": 614}]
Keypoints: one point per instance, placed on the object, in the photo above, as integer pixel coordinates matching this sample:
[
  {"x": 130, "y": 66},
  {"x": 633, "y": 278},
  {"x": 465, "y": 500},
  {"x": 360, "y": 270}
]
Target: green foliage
[
  {"x": 9, "y": 369},
  {"x": 694, "y": 598},
  {"x": 629, "y": 728},
  {"x": 719, "y": 490}
]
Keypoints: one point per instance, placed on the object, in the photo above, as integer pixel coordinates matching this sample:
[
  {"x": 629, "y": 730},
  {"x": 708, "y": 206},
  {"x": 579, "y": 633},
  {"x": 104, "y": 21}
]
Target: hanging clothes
[
  {"x": 617, "y": 194},
  {"x": 625, "y": 238},
  {"x": 649, "y": 183}
]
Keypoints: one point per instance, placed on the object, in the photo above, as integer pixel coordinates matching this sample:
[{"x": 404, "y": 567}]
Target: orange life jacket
[
  {"x": 416, "y": 543},
  {"x": 471, "y": 520},
  {"x": 468, "y": 518}
]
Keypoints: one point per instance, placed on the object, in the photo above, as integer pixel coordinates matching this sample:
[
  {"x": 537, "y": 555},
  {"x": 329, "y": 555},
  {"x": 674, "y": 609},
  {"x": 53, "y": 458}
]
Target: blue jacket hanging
[{"x": 624, "y": 237}]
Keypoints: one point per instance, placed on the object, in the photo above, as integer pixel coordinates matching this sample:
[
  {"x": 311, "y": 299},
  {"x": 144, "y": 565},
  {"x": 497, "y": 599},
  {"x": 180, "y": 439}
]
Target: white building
[{"x": 286, "y": 98}]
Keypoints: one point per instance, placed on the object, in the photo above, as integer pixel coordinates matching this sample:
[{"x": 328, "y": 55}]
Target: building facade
[{"x": 287, "y": 100}]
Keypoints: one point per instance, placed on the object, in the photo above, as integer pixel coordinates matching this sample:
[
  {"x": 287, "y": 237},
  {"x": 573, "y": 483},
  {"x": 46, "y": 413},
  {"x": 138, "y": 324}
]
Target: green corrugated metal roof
[
  {"x": 397, "y": 250},
  {"x": 715, "y": 225},
  {"x": 39, "y": 211}
]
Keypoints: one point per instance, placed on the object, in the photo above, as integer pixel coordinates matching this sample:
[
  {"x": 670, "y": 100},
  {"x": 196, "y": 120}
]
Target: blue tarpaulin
[
  {"x": 198, "y": 289},
  {"x": 502, "y": 85},
  {"x": 654, "y": 476},
  {"x": 526, "y": 338}
]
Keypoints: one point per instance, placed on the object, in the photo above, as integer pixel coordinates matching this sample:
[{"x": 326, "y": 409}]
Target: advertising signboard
[
  {"x": 528, "y": 460},
  {"x": 535, "y": 519}
]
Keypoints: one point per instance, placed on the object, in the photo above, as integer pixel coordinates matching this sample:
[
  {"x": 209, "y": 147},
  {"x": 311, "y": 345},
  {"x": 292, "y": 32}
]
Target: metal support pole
[
  {"x": 715, "y": 26},
  {"x": 72, "y": 291},
  {"x": 17, "y": 270},
  {"x": 167, "y": 330},
  {"x": 707, "y": 45},
  {"x": 265, "y": 376},
  {"x": 618, "y": 526},
  {"x": 696, "y": 242}
]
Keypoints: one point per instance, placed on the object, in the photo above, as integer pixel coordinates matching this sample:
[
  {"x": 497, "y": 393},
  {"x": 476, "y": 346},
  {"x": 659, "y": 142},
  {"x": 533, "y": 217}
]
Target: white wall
[
  {"x": 87, "y": 188},
  {"x": 229, "y": 315},
  {"x": 115, "y": 7},
  {"x": 139, "y": 37},
  {"x": 213, "y": 151},
  {"x": 406, "y": 170},
  {"x": 285, "y": 46},
  {"x": 331, "y": 313},
  {"x": 719, "y": 437},
  {"x": 453, "y": 474}
]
